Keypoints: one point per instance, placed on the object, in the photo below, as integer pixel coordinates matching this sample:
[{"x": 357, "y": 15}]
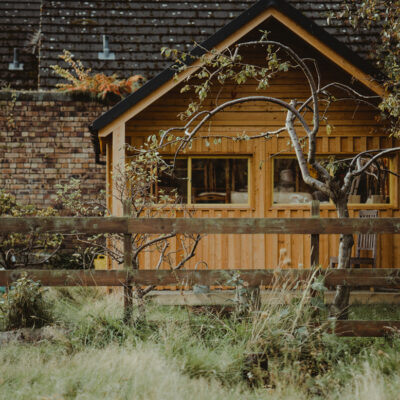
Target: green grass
[
  {"x": 178, "y": 354},
  {"x": 376, "y": 312}
]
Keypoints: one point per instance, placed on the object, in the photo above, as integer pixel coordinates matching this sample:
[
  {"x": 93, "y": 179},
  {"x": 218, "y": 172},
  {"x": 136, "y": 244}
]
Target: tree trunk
[
  {"x": 128, "y": 295},
  {"x": 340, "y": 306},
  {"x": 128, "y": 263},
  {"x": 139, "y": 295},
  {"x": 247, "y": 299}
]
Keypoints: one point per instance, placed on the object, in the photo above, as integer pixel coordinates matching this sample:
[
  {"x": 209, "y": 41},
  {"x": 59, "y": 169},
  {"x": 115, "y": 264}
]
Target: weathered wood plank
[
  {"x": 150, "y": 277},
  {"x": 68, "y": 277},
  {"x": 365, "y": 328},
  {"x": 69, "y": 225},
  {"x": 378, "y": 277},
  {"x": 275, "y": 297},
  {"x": 92, "y": 225},
  {"x": 353, "y": 277},
  {"x": 314, "y": 256},
  {"x": 360, "y": 297}
]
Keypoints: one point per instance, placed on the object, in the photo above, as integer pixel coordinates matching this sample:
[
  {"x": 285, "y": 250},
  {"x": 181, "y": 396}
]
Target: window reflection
[
  {"x": 217, "y": 181},
  {"x": 369, "y": 188},
  {"x": 210, "y": 180}
]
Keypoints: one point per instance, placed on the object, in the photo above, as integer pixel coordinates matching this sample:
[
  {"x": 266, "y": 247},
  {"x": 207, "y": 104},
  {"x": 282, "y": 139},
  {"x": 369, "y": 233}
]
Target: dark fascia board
[{"x": 168, "y": 74}]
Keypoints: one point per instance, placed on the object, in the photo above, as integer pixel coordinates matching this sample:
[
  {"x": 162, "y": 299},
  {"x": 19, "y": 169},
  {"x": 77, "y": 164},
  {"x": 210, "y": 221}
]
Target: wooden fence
[{"x": 383, "y": 278}]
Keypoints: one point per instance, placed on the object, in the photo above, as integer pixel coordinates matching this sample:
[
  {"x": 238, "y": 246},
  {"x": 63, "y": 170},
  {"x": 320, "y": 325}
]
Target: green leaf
[
  {"x": 302, "y": 332},
  {"x": 318, "y": 303},
  {"x": 318, "y": 286},
  {"x": 185, "y": 88}
]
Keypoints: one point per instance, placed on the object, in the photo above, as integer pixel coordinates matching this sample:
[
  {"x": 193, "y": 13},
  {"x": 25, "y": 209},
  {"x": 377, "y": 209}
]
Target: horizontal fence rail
[
  {"x": 343, "y": 328},
  {"x": 124, "y": 225},
  {"x": 385, "y": 278},
  {"x": 355, "y": 278},
  {"x": 365, "y": 328}
]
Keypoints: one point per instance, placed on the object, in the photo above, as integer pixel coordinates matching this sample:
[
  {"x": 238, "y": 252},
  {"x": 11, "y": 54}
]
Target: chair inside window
[{"x": 365, "y": 242}]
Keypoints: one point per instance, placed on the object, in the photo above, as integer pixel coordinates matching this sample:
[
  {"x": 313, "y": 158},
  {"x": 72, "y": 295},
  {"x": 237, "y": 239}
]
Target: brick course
[{"x": 44, "y": 141}]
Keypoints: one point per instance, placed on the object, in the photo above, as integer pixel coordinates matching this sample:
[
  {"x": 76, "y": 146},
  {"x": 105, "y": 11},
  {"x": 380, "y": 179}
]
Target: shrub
[
  {"x": 24, "y": 250},
  {"x": 24, "y": 306}
]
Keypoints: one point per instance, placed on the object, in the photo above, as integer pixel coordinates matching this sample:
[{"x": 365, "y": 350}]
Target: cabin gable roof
[{"x": 286, "y": 14}]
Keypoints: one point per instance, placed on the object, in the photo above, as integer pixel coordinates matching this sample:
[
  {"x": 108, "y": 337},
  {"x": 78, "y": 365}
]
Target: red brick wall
[{"x": 45, "y": 140}]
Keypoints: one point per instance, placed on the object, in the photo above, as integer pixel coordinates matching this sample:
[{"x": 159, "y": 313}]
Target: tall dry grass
[{"x": 178, "y": 354}]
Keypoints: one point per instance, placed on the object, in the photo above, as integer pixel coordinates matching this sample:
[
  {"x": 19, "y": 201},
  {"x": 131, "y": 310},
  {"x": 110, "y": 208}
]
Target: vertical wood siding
[{"x": 354, "y": 129}]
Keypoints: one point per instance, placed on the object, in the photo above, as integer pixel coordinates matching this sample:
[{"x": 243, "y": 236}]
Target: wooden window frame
[{"x": 189, "y": 159}]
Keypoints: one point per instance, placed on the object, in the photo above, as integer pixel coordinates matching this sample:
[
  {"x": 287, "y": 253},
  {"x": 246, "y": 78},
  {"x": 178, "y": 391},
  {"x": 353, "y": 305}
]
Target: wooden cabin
[{"x": 260, "y": 178}]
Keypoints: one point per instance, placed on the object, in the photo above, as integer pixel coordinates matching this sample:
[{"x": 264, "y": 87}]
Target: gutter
[{"x": 96, "y": 145}]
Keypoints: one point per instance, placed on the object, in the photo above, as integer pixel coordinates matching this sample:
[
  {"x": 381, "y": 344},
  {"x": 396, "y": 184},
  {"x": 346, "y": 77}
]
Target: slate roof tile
[
  {"x": 19, "y": 20},
  {"x": 318, "y": 11},
  {"x": 136, "y": 29}
]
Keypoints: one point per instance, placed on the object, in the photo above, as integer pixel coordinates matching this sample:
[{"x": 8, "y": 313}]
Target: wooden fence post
[
  {"x": 128, "y": 261},
  {"x": 314, "y": 237},
  {"x": 314, "y": 249}
]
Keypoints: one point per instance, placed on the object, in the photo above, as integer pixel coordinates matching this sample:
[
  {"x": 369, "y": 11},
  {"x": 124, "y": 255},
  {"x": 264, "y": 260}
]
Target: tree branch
[
  {"x": 151, "y": 242},
  {"x": 190, "y": 255},
  {"x": 316, "y": 184}
]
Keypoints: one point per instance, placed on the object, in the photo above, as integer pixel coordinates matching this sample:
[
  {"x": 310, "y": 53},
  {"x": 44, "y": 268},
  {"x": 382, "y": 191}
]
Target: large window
[
  {"x": 289, "y": 187},
  {"x": 208, "y": 180}
]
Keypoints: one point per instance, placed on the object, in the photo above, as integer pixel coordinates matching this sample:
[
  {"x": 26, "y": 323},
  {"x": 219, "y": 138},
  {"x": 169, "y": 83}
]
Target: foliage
[
  {"x": 224, "y": 68},
  {"x": 9, "y": 109},
  {"x": 210, "y": 345},
  {"x": 22, "y": 250},
  {"x": 383, "y": 15},
  {"x": 24, "y": 306},
  {"x": 196, "y": 353},
  {"x": 71, "y": 199},
  {"x": 135, "y": 187},
  {"x": 99, "y": 85}
]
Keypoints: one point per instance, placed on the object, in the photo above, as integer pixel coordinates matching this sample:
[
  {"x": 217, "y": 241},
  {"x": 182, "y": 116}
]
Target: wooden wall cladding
[{"x": 354, "y": 129}]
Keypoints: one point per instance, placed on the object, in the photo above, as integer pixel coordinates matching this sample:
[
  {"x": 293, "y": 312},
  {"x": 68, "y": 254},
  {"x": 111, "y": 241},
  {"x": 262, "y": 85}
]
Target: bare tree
[
  {"x": 32, "y": 250},
  {"x": 229, "y": 66},
  {"x": 135, "y": 186}
]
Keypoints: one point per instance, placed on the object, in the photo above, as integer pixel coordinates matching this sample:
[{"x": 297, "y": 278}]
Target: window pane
[
  {"x": 219, "y": 181},
  {"x": 369, "y": 188},
  {"x": 289, "y": 187},
  {"x": 175, "y": 179},
  {"x": 373, "y": 186}
]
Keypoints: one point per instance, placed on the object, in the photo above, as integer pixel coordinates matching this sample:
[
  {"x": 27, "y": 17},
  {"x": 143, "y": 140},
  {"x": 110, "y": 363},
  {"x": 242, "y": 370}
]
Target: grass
[
  {"x": 178, "y": 354},
  {"x": 137, "y": 372}
]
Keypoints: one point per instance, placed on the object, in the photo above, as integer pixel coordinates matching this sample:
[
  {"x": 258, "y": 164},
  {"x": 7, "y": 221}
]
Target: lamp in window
[
  {"x": 286, "y": 190},
  {"x": 15, "y": 65},
  {"x": 286, "y": 181}
]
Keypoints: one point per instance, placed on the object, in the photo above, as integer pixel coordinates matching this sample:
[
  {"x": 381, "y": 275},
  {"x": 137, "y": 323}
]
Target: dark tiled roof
[
  {"x": 136, "y": 29},
  {"x": 287, "y": 10},
  {"x": 318, "y": 10},
  {"x": 19, "y": 21}
]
